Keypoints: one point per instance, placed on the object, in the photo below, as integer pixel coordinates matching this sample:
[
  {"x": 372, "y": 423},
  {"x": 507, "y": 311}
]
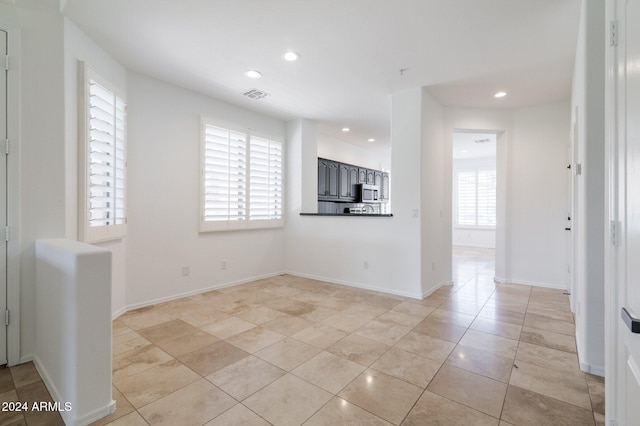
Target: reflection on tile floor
[{"x": 290, "y": 351}]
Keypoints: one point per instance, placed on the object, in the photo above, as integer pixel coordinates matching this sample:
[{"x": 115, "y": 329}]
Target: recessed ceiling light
[
  {"x": 500, "y": 95},
  {"x": 253, "y": 74},
  {"x": 371, "y": 140},
  {"x": 291, "y": 56},
  {"x": 345, "y": 129}
]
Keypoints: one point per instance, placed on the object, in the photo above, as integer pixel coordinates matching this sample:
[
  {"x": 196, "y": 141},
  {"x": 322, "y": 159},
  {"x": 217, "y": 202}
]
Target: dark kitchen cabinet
[
  {"x": 348, "y": 181},
  {"x": 371, "y": 177},
  {"x": 327, "y": 179},
  {"x": 384, "y": 187},
  {"x": 362, "y": 175},
  {"x": 338, "y": 182},
  {"x": 366, "y": 176},
  {"x": 377, "y": 178}
]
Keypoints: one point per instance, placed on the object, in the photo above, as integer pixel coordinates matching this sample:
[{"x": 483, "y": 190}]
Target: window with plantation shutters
[
  {"x": 265, "y": 179},
  {"x": 241, "y": 179},
  {"x": 102, "y": 159},
  {"x": 225, "y": 175},
  {"x": 476, "y": 198}
]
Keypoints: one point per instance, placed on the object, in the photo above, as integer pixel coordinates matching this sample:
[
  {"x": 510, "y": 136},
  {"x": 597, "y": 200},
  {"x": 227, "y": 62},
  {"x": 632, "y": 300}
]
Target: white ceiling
[
  {"x": 352, "y": 52},
  {"x": 468, "y": 145}
]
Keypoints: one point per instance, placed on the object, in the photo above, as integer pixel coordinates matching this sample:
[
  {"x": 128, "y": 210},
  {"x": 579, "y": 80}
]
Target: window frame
[
  {"x": 246, "y": 223},
  {"x": 456, "y": 215},
  {"x": 86, "y": 232}
]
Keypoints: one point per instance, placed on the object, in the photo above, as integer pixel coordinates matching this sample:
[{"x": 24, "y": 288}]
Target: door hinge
[
  {"x": 6, "y": 146},
  {"x": 577, "y": 169},
  {"x": 6, "y": 233},
  {"x": 6, "y": 317},
  {"x": 613, "y": 232},
  {"x": 613, "y": 33},
  {"x": 6, "y": 62}
]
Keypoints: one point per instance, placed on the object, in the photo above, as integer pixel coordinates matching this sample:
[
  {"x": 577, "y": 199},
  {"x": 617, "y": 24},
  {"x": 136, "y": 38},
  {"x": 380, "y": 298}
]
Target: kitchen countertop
[{"x": 349, "y": 214}]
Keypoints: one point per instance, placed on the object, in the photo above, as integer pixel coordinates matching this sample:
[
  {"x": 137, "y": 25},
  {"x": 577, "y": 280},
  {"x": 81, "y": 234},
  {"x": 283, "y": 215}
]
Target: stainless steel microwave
[{"x": 368, "y": 193}]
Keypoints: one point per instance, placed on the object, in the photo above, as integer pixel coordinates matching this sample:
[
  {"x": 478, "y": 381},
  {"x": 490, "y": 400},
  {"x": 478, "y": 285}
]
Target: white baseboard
[
  {"x": 152, "y": 302},
  {"x": 356, "y": 285},
  {"x": 502, "y": 280},
  {"x": 118, "y": 312},
  {"x": 69, "y": 417},
  {"x": 190, "y": 293},
  {"x": 438, "y": 286},
  {"x": 596, "y": 370}
]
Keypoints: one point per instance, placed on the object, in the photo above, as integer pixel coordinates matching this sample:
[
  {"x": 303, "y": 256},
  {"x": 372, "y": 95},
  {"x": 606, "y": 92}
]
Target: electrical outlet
[
  {"x": 433, "y": 266},
  {"x": 186, "y": 271},
  {"x": 223, "y": 264},
  {"x": 366, "y": 264}
]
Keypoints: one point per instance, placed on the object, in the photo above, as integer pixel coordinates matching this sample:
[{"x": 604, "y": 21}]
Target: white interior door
[
  {"x": 623, "y": 390},
  {"x": 3, "y": 197}
]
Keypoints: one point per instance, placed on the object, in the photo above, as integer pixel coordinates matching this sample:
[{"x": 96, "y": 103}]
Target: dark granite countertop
[{"x": 349, "y": 214}]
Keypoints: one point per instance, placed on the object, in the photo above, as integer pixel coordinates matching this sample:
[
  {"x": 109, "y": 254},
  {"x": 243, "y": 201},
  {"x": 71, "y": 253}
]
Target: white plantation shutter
[
  {"x": 103, "y": 120},
  {"x": 225, "y": 175},
  {"x": 266, "y": 179},
  {"x": 486, "y": 191},
  {"x": 241, "y": 185},
  {"x": 466, "y": 211},
  {"x": 107, "y": 118},
  {"x": 476, "y": 198}
]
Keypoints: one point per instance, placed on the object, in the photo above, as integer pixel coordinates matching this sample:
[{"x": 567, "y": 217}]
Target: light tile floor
[
  {"x": 20, "y": 388},
  {"x": 291, "y": 351}
]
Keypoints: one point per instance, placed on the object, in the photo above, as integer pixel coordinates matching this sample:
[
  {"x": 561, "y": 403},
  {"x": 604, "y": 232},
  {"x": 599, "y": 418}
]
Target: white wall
[
  {"x": 163, "y": 211},
  {"x": 499, "y": 122},
  {"x": 538, "y": 195},
  {"x": 373, "y": 158},
  {"x": 532, "y": 188},
  {"x": 589, "y": 219},
  {"x": 78, "y": 47},
  {"x": 471, "y": 237},
  {"x": 335, "y": 248},
  {"x": 435, "y": 197},
  {"x": 39, "y": 148}
]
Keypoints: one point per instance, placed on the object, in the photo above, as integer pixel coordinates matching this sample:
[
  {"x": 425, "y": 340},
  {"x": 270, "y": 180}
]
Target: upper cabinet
[
  {"x": 338, "y": 181},
  {"x": 366, "y": 176},
  {"x": 348, "y": 182},
  {"x": 327, "y": 179},
  {"x": 362, "y": 175},
  {"x": 384, "y": 187},
  {"x": 371, "y": 177},
  {"x": 377, "y": 178}
]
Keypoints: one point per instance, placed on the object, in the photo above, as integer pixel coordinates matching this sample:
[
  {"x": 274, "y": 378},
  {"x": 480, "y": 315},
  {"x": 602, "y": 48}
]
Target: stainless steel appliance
[{"x": 368, "y": 193}]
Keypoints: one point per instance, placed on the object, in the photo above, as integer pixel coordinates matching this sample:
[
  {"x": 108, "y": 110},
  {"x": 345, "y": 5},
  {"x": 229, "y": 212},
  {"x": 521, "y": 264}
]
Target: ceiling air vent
[
  {"x": 255, "y": 94},
  {"x": 482, "y": 140}
]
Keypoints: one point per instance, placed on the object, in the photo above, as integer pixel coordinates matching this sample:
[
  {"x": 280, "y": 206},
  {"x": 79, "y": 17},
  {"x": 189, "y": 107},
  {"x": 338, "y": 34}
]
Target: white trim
[
  {"x": 87, "y": 233},
  {"x": 68, "y": 416},
  {"x": 611, "y": 318},
  {"x": 428, "y": 293},
  {"x": 152, "y": 302},
  {"x": 13, "y": 194},
  {"x": 244, "y": 223},
  {"x": 356, "y": 285},
  {"x": 501, "y": 280},
  {"x": 597, "y": 370},
  {"x": 157, "y": 301}
]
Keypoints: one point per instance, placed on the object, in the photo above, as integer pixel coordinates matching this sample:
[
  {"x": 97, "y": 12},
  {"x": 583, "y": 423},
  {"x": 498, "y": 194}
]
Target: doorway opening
[{"x": 474, "y": 207}]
